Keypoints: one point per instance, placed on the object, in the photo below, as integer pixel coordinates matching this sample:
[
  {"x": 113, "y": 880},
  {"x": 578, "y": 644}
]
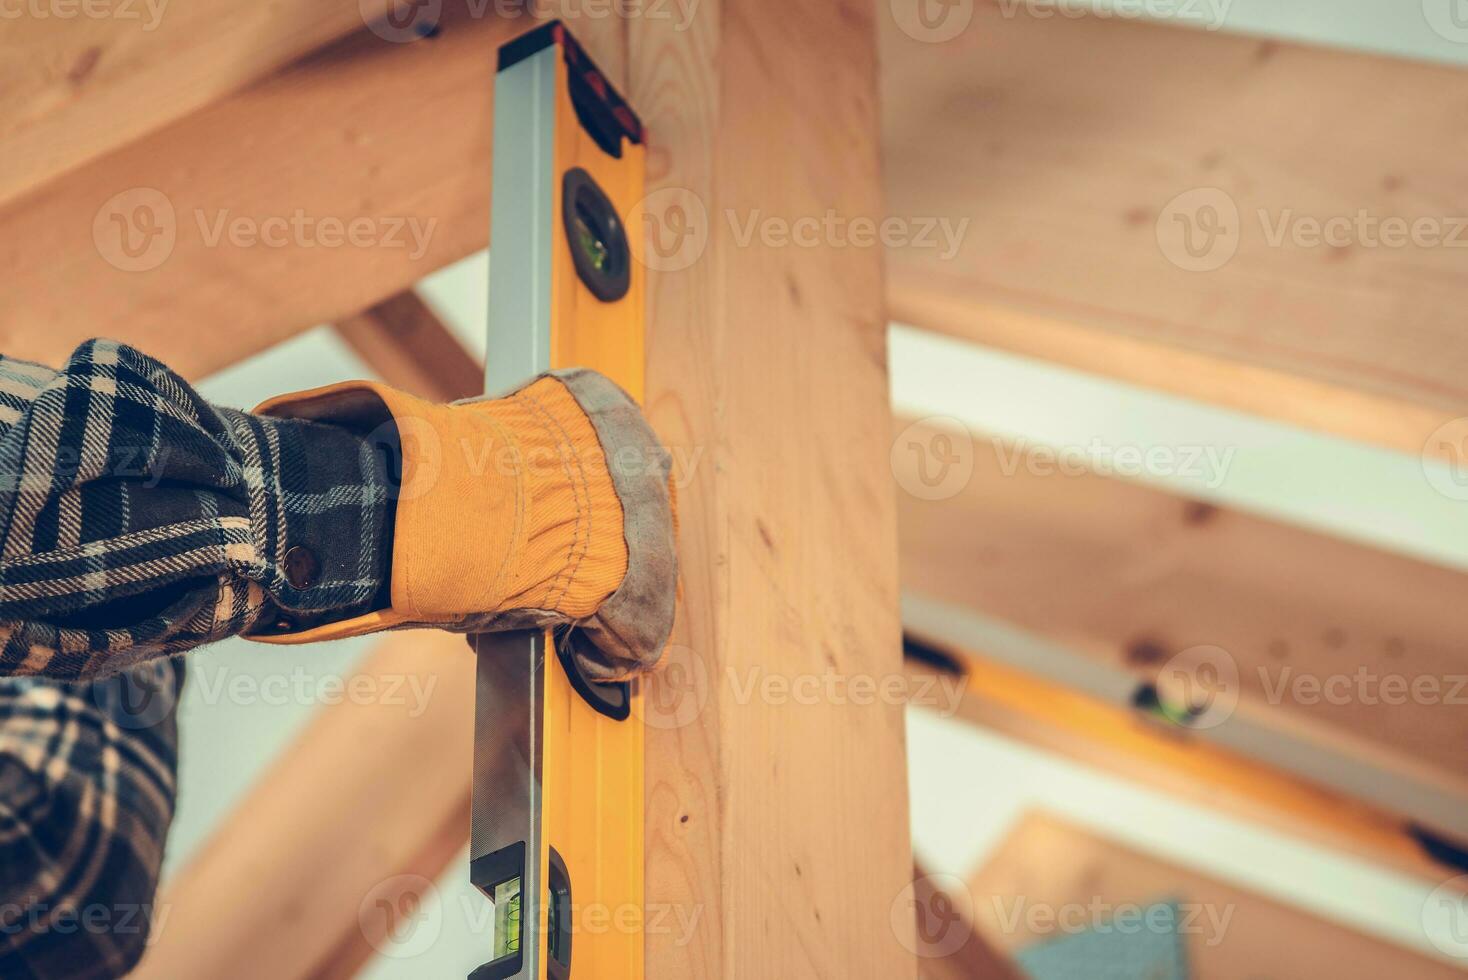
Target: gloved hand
[{"x": 548, "y": 506}]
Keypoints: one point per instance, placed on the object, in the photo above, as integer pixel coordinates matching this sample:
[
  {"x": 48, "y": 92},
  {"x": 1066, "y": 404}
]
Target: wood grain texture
[
  {"x": 1064, "y": 185},
  {"x": 77, "y": 81},
  {"x": 312, "y": 857},
  {"x": 1129, "y": 577},
  {"x": 1051, "y": 863},
  {"x": 410, "y": 348},
  {"x": 784, "y": 823},
  {"x": 358, "y": 135}
]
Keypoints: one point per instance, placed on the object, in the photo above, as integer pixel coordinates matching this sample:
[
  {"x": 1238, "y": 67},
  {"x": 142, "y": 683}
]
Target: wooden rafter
[
  {"x": 1083, "y": 880},
  {"x": 75, "y": 85},
  {"x": 410, "y": 348},
  {"x": 242, "y": 215},
  {"x": 1064, "y": 188},
  {"x": 1126, "y": 577},
  {"x": 1075, "y": 726}
]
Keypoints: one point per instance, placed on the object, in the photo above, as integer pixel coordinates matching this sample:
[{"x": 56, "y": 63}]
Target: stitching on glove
[{"x": 581, "y": 494}]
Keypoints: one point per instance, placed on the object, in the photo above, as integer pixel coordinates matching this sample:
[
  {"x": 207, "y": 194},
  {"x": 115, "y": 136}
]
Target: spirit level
[{"x": 557, "y": 813}]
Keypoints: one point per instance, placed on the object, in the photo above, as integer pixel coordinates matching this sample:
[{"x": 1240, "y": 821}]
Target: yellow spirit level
[{"x": 556, "y": 842}]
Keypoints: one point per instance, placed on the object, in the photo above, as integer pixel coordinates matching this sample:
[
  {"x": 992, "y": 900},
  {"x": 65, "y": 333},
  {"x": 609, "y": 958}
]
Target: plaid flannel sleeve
[
  {"x": 136, "y": 521},
  {"x": 86, "y": 797}
]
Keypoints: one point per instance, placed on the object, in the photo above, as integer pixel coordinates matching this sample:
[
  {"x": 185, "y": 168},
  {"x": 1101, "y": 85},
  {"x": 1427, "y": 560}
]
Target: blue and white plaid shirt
[{"x": 138, "y": 521}]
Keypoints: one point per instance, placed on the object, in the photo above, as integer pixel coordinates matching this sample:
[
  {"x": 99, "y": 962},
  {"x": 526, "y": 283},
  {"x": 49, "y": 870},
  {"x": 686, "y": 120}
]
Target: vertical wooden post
[{"x": 777, "y": 797}]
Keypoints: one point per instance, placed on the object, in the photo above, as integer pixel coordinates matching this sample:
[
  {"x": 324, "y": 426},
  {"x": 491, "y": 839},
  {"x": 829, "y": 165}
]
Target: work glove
[{"x": 547, "y": 507}]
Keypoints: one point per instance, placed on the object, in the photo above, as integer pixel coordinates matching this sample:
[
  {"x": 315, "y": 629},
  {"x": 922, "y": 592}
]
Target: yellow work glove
[{"x": 548, "y": 506}]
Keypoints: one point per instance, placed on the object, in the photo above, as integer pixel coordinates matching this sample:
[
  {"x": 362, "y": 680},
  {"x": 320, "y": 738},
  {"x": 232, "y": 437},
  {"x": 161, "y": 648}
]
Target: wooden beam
[
  {"x": 1087, "y": 730},
  {"x": 301, "y": 200},
  {"x": 1321, "y": 632},
  {"x": 784, "y": 823},
  {"x": 368, "y": 792},
  {"x": 77, "y": 81},
  {"x": 410, "y": 348},
  {"x": 1050, "y": 864},
  {"x": 1064, "y": 188}
]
